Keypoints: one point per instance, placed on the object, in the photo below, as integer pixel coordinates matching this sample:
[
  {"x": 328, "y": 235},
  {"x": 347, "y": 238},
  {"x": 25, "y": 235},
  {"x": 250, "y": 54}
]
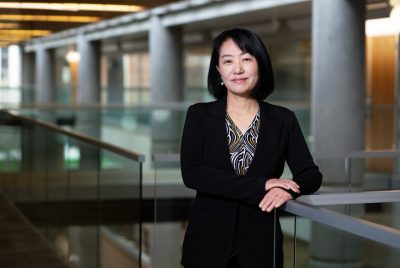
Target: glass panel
[
  {"x": 10, "y": 158},
  {"x": 172, "y": 204},
  {"x": 318, "y": 245},
  {"x": 33, "y": 178},
  {"x": 57, "y": 194},
  {"x": 83, "y": 176},
  {"x": 359, "y": 174},
  {"x": 335, "y": 175},
  {"x": 380, "y": 174},
  {"x": 120, "y": 212},
  {"x": 387, "y": 214},
  {"x": 290, "y": 226}
]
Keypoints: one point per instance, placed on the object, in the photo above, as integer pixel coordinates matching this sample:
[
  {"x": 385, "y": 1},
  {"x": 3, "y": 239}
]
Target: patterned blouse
[{"x": 242, "y": 146}]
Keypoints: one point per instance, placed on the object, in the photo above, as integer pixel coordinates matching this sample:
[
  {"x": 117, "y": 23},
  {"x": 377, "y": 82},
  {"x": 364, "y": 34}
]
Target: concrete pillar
[
  {"x": 45, "y": 75},
  {"x": 166, "y": 56},
  {"x": 338, "y": 77},
  {"x": 115, "y": 79},
  {"x": 88, "y": 92},
  {"x": 28, "y": 77},
  {"x": 338, "y": 108},
  {"x": 14, "y": 66},
  {"x": 166, "y": 243},
  {"x": 165, "y": 62},
  {"x": 88, "y": 71}
]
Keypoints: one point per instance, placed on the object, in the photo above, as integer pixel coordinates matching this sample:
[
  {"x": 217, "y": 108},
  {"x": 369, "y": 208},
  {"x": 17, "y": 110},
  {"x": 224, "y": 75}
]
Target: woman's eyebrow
[{"x": 230, "y": 55}]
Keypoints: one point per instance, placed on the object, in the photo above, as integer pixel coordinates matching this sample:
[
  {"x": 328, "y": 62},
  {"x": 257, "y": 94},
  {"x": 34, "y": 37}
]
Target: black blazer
[{"x": 225, "y": 216}]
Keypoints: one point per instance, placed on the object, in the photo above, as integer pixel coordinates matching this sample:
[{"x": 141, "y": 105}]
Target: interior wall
[{"x": 381, "y": 77}]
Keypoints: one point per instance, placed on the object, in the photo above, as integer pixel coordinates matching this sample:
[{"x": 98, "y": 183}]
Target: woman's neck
[
  {"x": 241, "y": 111},
  {"x": 241, "y": 106}
]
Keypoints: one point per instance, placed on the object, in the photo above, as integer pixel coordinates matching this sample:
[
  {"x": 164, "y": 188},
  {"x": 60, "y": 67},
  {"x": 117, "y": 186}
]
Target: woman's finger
[{"x": 274, "y": 199}]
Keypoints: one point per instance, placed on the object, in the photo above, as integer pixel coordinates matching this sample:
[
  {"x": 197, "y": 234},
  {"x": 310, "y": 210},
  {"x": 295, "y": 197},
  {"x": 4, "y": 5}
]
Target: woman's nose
[{"x": 238, "y": 68}]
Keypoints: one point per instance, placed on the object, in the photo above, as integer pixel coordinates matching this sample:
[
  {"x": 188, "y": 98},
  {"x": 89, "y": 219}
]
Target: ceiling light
[
  {"x": 73, "y": 56},
  {"x": 9, "y": 25},
  {"x": 17, "y": 32},
  {"x": 54, "y": 18}
]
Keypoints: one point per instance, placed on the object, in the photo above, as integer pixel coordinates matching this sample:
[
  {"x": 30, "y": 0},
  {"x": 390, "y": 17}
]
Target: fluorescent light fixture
[
  {"x": 54, "y": 18},
  {"x": 72, "y": 7},
  {"x": 8, "y": 37},
  {"x": 9, "y": 25},
  {"x": 12, "y": 33}
]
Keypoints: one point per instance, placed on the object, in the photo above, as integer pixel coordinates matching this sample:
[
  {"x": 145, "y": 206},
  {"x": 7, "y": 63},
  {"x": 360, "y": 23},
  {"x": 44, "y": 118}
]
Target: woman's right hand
[{"x": 282, "y": 183}]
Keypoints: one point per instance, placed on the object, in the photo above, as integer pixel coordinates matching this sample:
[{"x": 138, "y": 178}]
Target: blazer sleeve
[
  {"x": 300, "y": 161},
  {"x": 199, "y": 176}
]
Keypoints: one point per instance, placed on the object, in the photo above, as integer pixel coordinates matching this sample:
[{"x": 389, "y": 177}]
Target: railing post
[{"x": 347, "y": 173}]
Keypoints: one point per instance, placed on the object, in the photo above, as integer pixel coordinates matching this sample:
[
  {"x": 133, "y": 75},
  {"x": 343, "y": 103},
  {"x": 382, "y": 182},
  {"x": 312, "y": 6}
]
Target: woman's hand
[
  {"x": 275, "y": 198},
  {"x": 282, "y": 183}
]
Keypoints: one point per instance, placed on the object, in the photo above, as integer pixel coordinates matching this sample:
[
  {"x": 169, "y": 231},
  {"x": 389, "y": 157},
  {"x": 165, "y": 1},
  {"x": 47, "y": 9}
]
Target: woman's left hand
[{"x": 274, "y": 198}]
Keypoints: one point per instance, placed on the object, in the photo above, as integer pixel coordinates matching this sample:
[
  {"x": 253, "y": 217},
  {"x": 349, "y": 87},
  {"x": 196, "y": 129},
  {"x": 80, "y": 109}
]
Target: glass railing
[
  {"x": 359, "y": 170},
  {"x": 354, "y": 230},
  {"x": 149, "y": 129},
  {"x": 337, "y": 229},
  {"x": 83, "y": 195},
  {"x": 155, "y": 131}
]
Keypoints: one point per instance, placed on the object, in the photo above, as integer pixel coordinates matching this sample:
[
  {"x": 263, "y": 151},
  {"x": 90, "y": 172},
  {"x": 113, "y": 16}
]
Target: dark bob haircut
[{"x": 248, "y": 42}]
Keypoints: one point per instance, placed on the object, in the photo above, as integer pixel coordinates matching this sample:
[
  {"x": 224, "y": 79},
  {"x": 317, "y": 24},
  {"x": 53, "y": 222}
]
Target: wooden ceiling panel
[{"x": 30, "y": 21}]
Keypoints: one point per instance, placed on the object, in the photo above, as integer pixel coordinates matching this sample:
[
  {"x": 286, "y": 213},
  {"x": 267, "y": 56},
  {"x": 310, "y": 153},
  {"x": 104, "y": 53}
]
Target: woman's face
[{"x": 238, "y": 69}]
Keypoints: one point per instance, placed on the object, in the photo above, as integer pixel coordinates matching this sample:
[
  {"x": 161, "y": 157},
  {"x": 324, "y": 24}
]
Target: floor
[{"x": 21, "y": 245}]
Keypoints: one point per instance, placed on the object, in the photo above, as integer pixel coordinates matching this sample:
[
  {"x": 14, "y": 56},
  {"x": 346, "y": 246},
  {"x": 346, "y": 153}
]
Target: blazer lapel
[
  {"x": 268, "y": 137},
  {"x": 216, "y": 133}
]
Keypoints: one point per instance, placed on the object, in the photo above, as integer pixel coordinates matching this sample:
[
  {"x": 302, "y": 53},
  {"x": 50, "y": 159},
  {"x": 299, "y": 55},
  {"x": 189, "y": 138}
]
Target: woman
[{"x": 233, "y": 154}]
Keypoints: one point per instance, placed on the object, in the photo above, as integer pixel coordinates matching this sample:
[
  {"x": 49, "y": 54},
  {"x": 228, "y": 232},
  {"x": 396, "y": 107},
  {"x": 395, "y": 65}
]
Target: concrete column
[
  {"x": 166, "y": 62},
  {"x": 88, "y": 71},
  {"x": 166, "y": 240},
  {"x": 338, "y": 77},
  {"x": 166, "y": 56},
  {"x": 28, "y": 76},
  {"x": 45, "y": 75},
  {"x": 88, "y": 92},
  {"x": 115, "y": 79},
  {"x": 338, "y": 108}
]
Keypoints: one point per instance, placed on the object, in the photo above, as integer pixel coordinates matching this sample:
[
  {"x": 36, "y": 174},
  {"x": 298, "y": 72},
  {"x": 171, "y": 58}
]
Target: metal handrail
[
  {"x": 351, "y": 198},
  {"x": 129, "y": 154},
  {"x": 373, "y": 231}
]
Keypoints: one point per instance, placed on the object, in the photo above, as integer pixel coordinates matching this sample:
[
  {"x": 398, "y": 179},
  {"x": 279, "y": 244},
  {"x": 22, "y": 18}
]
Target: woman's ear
[{"x": 217, "y": 67}]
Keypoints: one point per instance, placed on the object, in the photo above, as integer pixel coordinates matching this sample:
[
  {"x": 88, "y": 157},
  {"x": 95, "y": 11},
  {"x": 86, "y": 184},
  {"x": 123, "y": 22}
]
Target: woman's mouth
[{"x": 239, "y": 80}]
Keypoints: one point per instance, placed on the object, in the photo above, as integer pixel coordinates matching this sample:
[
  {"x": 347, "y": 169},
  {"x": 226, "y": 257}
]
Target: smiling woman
[{"x": 233, "y": 153}]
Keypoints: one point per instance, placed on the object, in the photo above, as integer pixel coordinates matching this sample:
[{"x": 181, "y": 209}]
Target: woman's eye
[
  {"x": 247, "y": 59},
  {"x": 227, "y": 61}
]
